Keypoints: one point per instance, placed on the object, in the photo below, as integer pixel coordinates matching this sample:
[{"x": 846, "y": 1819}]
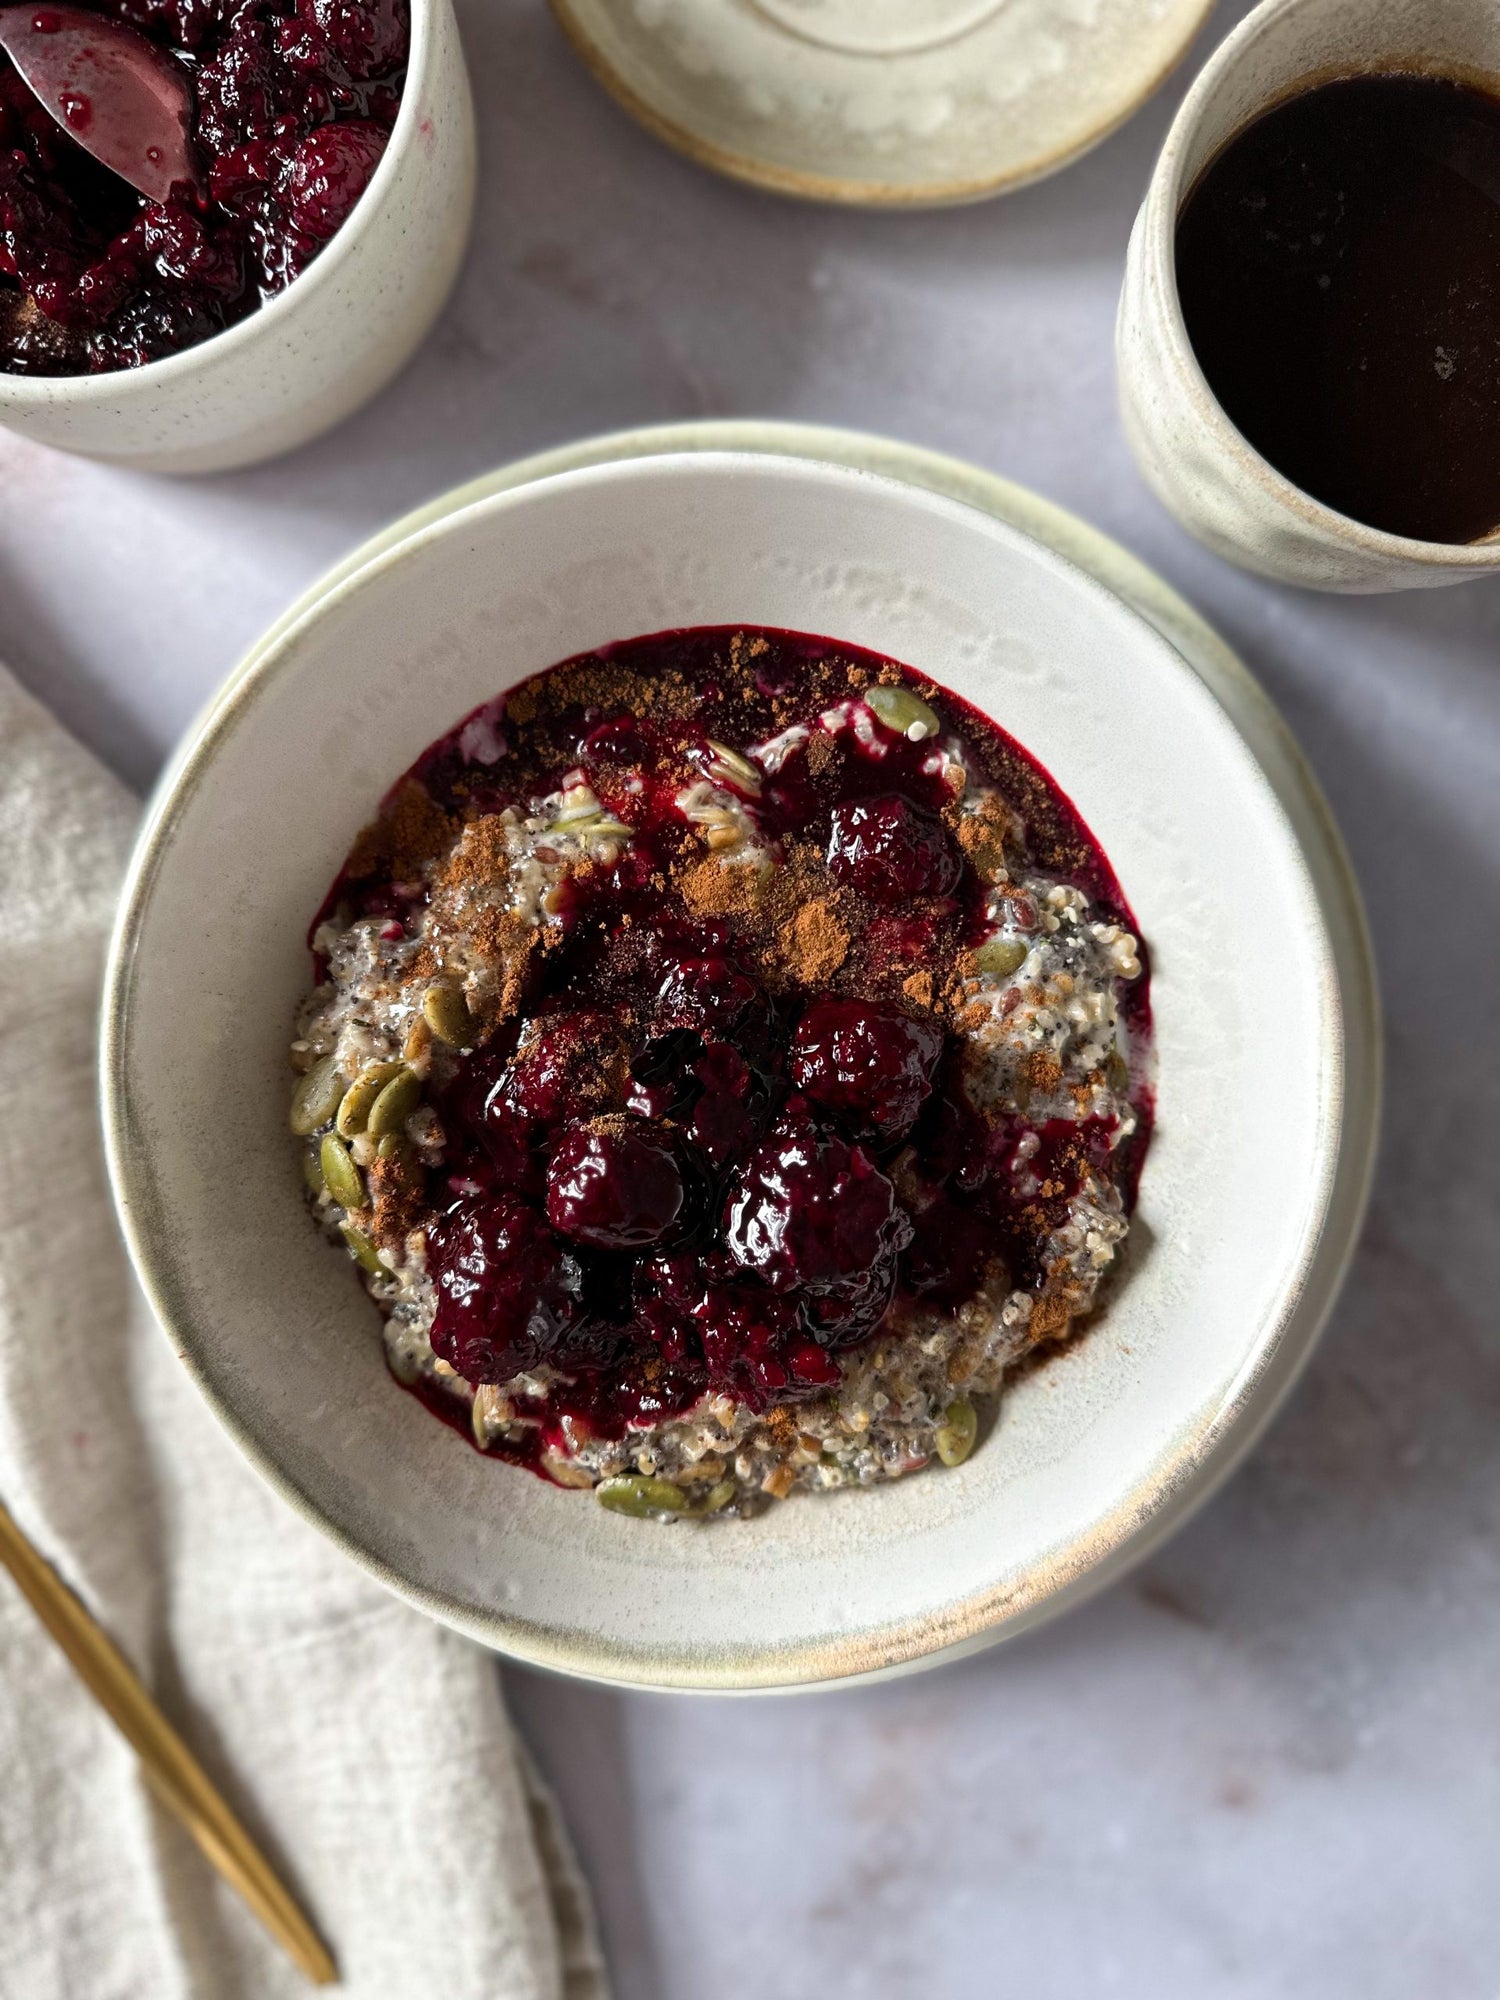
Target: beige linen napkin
[{"x": 366, "y": 1747}]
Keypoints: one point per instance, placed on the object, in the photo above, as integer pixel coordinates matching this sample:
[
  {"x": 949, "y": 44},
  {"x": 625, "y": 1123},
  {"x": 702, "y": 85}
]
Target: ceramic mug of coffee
[{"x": 1199, "y": 464}]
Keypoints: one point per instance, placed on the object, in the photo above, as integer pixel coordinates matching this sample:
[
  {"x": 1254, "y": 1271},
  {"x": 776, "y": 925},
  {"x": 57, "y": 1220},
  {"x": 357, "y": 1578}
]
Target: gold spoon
[{"x": 175, "y": 1774}]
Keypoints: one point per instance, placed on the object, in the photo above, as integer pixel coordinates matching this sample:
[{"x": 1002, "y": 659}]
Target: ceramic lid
[{"x": 882, "y": 102}]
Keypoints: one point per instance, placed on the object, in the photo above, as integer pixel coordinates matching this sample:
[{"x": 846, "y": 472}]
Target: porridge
[{"x": 729, "y": 1057}]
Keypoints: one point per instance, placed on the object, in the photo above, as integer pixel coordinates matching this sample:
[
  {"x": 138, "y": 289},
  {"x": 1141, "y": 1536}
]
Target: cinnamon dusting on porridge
[{"x": 729, "y": 1058}]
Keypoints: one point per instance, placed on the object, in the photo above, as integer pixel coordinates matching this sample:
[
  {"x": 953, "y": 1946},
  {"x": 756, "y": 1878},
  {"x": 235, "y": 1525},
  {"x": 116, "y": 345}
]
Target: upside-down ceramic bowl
[
  {"x": 1248, "y": 1204},
  {"x": 882, "y": 103},
  {"x": 317, "y": 351}
]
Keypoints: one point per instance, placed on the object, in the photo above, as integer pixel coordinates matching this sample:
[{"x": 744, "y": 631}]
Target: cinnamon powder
[
  {"x": 813, "y": 944},
  {"x": 410, "y": 832}
]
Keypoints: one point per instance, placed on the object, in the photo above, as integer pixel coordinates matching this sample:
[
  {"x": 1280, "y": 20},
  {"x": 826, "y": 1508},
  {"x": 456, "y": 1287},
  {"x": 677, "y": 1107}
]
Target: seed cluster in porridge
[{"x": 729, "y": 1057}]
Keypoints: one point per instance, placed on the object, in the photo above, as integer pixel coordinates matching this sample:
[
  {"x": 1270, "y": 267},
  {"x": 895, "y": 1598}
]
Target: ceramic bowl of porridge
[{"x": 778, "y": 1010}]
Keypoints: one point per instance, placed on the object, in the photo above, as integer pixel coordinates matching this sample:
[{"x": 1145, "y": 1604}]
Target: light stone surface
[{"x": 1268, "y": 1767}]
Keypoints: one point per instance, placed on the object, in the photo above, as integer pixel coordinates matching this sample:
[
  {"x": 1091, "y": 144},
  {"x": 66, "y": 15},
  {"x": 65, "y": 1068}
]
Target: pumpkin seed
[
  {"x": 595, "y": 825},
  {"x": 579, "y": 803},
  {"x": 362, "y": 1250},
  {"x": 393, "y": 1146},
  {"x": 739, "y": 768},
  {"x": 317, "y": 1097},
  {"x": 340, "y": 1175},
  {"x": 717, "y": 1499},
  {"x": 354, "y": 1111},
  {"x": 634, "y": 1494},
  {"x": 899, "y": 709},
  {"x": 956, "y": 1434},
  {"x": 395, "y": 1104},
  {"x": 446, "y": 1012},
  {"x": 1002, "y": 956}
]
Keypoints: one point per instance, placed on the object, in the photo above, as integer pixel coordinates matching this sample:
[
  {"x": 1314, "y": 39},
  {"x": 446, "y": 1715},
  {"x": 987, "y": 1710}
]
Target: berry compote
[
  {"x": 729, "y": 1056},
  {"x": 293, "y": 104}
]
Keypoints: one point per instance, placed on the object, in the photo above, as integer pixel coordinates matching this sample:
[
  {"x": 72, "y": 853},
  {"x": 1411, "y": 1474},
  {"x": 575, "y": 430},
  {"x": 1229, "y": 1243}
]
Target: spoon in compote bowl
[{"x": 113, "y": 91}]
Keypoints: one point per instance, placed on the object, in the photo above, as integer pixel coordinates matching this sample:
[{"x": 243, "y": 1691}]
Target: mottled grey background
[{"x": 1267, "y": 1765}]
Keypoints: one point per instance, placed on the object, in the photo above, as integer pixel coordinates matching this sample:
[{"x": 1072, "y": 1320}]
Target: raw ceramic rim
[
  {"x": 26, "y": 391},
  {"x": 744, "y": 167},
  {"x": 1166, "y": 1494},
  {"x": 1164, "y": 201}
]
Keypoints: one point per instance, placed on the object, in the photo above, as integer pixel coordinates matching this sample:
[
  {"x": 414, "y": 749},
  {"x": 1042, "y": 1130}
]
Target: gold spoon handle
[{"x": 174, "y": 1772}]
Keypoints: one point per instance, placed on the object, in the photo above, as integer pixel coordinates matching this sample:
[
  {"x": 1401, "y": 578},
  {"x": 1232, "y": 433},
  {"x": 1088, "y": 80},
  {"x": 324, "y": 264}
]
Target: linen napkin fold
[{"x": 366, "y": 1748}]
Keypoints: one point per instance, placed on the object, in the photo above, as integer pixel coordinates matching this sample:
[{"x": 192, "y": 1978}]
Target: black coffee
[{"x": 1339, "y": 270}]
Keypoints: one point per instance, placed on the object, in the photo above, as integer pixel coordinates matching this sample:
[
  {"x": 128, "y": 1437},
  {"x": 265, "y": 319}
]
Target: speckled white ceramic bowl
[
  {"x": 1248, "y": 1204},
  {"x": 329, "y": 341},
  {"x": 1214, "y": 481}
]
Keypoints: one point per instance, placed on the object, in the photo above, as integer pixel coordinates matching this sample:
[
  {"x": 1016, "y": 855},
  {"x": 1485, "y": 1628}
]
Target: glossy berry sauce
[
  {"x": 294, "y": 102},
  {"x": 664, "y": 1178}
]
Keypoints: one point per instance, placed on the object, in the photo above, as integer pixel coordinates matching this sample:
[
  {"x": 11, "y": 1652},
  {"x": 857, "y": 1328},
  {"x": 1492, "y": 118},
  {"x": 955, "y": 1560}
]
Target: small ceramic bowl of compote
[{"x": 228, "y": 236}]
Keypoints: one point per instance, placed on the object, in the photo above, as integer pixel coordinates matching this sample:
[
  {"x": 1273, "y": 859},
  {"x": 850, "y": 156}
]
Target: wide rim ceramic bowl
[
  {"x": 336, "y": 335},
  {"x": 1232, "y": 1265},
  {"x": 1195, "y": 459}
]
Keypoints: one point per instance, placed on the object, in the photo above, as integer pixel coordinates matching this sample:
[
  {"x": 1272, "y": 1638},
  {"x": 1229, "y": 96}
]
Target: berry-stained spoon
[{"x": 120, "y": 97}]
